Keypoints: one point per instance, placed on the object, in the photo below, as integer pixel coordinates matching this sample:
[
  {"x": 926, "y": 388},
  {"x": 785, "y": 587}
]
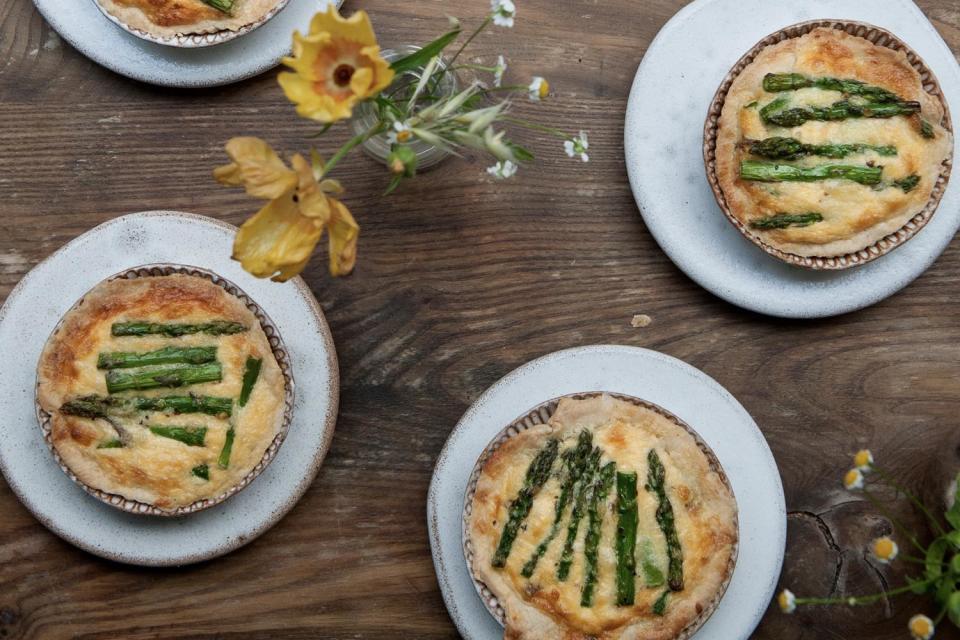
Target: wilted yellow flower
[
  {"x": 787, "y": 601},
  {"x": 885, "y": 550},
  {"x": 278, "y": 240},
  {"x": 335, "y": 65},
  {"x": 921, "y": 627},
  {"x": 863, "y": 460},
  {"x": 853, "y": 479}
]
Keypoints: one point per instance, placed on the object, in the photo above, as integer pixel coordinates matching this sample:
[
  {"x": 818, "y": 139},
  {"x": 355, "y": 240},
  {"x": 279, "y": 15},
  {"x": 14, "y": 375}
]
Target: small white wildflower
[
  {"x": 863, "y": 460},
  {"x": 538, "y": 89},
  {"x": 853, "y": 480},
  {"x": 503, "y": 12},
  {"x": 787, "y": 601},
  {"x": 401, "y": 133},
  {"x": 498, "y": 71},
  {"x": 885, "y": 550},
  {"x": 921, "y": 627},
  {"x": 577, "y": 145},
  {"x": 503, "y": 169}
]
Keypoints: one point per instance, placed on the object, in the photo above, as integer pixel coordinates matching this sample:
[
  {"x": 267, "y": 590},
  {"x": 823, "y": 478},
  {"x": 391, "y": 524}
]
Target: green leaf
[
  {"x": 945, "y": 587},
  {"x": 953, "y": 608},
  {"x": 934, "y": 558},
  {"x": 520, "y": 153},
  {"x": 953, "y": 537},
  {"x": 953, "y": 513},
  {"x": 394, "y": 183},
  {"x": 955, "y": 565},
  {"x": 421, "y": 57},
  {"x": 917, "y": 585}
]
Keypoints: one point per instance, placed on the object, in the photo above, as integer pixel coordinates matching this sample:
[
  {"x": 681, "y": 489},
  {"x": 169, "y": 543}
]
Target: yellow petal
[
  {"x": 331, "y": 187},
  {"x": 310, "y": 104},
  {"x": 382, "y": 73},
  {"x": 277, "y": 241},
  {"x": 310, "y": 199},
  {"x": 344, "y": 231},
  {"x": 258, "y": 167},
  {"x": 361, "y": 80},
  {"x": 357, "y": 27}
]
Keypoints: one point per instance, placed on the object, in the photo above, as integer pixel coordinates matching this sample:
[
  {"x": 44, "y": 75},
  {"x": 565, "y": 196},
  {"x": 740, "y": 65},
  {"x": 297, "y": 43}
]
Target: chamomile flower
[
  {"x": 921, "y": 627},
  {"x": 787, "y": 601},
  {"x": 863, "y": 460},
  {"x": 503, "y": 169},
  {"x": 577, "y": 145},
  {"x": 401, "y": 134},
  {"x": 498, "y": 71},
  {"x": 885, "y": 549},
  {"x": 853, "y": 480},
  {"x": 538, "y": 89},
  {"x": 503, "y": 12}
]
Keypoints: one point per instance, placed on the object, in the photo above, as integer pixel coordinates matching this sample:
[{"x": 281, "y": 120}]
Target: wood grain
[{"x": 450, "y": 293}]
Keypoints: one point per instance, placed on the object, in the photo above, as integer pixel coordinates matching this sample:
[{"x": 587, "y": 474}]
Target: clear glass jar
[{"x": 365, "y": 116}]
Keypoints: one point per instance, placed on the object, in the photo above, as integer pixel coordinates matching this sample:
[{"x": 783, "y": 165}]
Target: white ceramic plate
[
  {"x": 692, "y": 396},
  {"x": 683, "y": 68},
  {"x": 82, "y": 24},
  {"x": 38, "y": 302}
]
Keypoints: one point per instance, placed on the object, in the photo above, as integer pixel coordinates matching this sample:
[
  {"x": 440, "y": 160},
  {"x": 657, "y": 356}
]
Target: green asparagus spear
[
  {"x": 580, "y": 495},
  {"x": 201, "y": 471},
  {"x": 167, "y": 355},
  {"x": 95, "y": 406},
  {"x": 173, "y": 330},
  {"x": 779, "y": 148},
  {"x": 193, "y": 436},
  {"x": 224, "y": 460},
  {"x": 113, "y": 443},
  {"x": 226, "y": 6},
  {"x": 660, "y": 606},
  {"x": 85, "y": 408},
  {"x": 250, "y": 375},
  {"x": 926, "y": 130},
  {"x": 778, "y": 82},
  {"x": 776, "y": 114},
  {"x": 652, "y": 575},
  {"x": 575, "y": 460},
  {"x": 627, "y": 518},
  {"x": 908, "y": 184},
  {"x": 762, "y": 171},
  {"x": 166, "y": 376},
  {"x": 591, "y": 543},
  {"x": 656, "y": 484},
  {"x": 784, "y": 220},
  {"x": 537, "y": 474}
]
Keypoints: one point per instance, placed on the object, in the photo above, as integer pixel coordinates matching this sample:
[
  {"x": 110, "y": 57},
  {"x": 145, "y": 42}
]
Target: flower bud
[{"x": 402, "y": 161}]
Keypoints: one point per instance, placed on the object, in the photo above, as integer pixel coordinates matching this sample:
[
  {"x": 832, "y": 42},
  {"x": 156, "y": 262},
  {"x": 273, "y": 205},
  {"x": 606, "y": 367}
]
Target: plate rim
[
  {"x": 765, "y": 305},
  {"x": 298, "y": 490},
  {"x": 433, "y": 509}
]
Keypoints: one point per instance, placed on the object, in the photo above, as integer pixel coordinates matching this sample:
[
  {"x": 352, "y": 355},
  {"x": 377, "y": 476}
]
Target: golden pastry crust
[
  {"x": 166, "y": 18},
  {"x": 855, "y": 216},
  {"x": 544, "y": 608},
  {"x": 152, "y": 469}
]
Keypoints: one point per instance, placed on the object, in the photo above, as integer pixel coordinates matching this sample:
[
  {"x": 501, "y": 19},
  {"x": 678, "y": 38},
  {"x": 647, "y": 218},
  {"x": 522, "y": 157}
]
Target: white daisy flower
[
  {"x": 885, "y": 550},
  {"x": 498, "y": 71},
  {"x": 503, "y": 12},
  {"x": 863, "y": 460},
  {"x": 401, "y": 134},
  {"x": 787, "y": 601},
  {"x": 853, "y": 479},
  {"x": 538, "y": 89},
  {"x": 577, "y": 145},
  {"x": 921, "y": 627},
  {"x": 503, "y": 169}
]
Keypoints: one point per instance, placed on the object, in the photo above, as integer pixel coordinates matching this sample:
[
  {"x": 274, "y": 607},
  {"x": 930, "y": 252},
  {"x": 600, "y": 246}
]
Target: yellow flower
[
  {"x": 335, "y": 65},
  {"x": 863, "y": 460},
  {"x": 278, "y": 240},
  {"x": 539, "y": 89},
  {"x": 921, "y": 627},
  {"x": 885, "y": 550},
  {"x": 853, "y": 479},
  {"x": 787, "y": 601}
]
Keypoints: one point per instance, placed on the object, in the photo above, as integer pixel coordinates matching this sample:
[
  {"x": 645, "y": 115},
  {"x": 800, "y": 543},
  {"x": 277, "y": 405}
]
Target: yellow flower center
[
  {"x": 784, "y": 601},
  {"x": 403, "y": 136},
  {"x": 544, "y": 88},
  {"x": 851, "y": 478},
  {"x": 862, "y": 459},
  {"x": 921, "y": 627},
  {"x": 883, "y": 548},
  {"x": 342, "y": 75}
]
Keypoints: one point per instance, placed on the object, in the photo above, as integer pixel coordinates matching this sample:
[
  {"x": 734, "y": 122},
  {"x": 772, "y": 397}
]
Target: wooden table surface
[{"x": 459, "y": 281}]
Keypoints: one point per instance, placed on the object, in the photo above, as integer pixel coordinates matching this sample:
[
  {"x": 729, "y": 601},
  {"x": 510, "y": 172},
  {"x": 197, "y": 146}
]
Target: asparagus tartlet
[
  {"x": 827, "y": 144},
  {"x": 163, "y": 390},
  {"x": 610, "y": 520}
]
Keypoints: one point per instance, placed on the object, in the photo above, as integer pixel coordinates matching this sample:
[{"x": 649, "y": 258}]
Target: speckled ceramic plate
[
  {"x": 194, "y": 40},
  {"x": 541, "y": 415},
  {"x": 693, "y": 397},
  {"x": 37, "y": 304},
  {"x": 664, "y": 154},
  {"x": 279, "y": 352},
  {"x": 84, "y": 26}
]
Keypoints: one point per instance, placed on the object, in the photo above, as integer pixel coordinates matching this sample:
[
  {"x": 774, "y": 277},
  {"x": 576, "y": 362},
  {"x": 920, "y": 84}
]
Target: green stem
[
  {"x": 359, "y": 139},
  {"x": 896, "y": 523},
  {"x": 891, "y": 482},
  {"x": 537, "y": 127},
  {"x": 483, "y": 25},
  {"x": 860, "y": 600}
]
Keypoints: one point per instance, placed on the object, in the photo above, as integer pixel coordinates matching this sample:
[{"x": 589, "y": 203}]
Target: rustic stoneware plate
[
  {"x": 541, "y": 414},
  {"x": 693, "y": 397},
  {"x": 879, "y": 37},
  {"x": 34, "y": 308},
  {"x": 279, "y": 352},
  {"x": 86, "y": 28},
  {"x": 194, "y": 40},
  {"x": 664, "y": 152}
]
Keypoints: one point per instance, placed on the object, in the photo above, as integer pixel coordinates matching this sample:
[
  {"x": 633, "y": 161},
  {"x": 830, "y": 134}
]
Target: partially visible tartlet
[
  {"x": 164, "y": 18},
  {"x": 611, "y": 520},
  {"x": 827, "y": 143},
  {"x": 162, "y": 390}
]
